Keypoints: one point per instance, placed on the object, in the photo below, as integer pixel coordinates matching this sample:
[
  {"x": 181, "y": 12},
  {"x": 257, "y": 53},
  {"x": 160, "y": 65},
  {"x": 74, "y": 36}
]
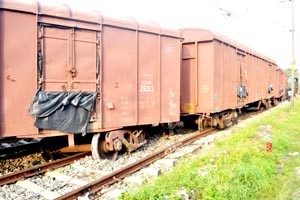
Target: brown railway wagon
[
  {"x": 82, "y": 72},
  {"x": 278, "y": 85},
  {"x": 284, "y": 84},
  {"x": 219, "y": 76}
]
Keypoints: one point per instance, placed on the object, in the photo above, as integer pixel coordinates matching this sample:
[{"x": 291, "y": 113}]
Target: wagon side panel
[
  {"x": 170, "y": 79},
  {"x": 148, "y": 74},
  {"x": 218, "y": 77},
  {"x": 119, "y": 77},
  {"x": 188, "y": 78},
  {"x": 197, "y": 86},
  {"x": 17, "y": 71},
  {"x": 206, "y": 68}
]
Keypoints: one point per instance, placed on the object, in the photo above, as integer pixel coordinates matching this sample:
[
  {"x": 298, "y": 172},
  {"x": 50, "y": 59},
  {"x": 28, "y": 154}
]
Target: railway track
[
  {"x": 93, "y": 186},
  {"x": 36, "y": 170},
  {"x": 97, "y": 185},
  {"x": 123, "y": 172},
  {"x": 31, "y": 179}
]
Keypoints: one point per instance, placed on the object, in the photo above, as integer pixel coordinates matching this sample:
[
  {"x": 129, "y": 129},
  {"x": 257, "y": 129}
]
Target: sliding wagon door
[{"x": 70, "y": 59}]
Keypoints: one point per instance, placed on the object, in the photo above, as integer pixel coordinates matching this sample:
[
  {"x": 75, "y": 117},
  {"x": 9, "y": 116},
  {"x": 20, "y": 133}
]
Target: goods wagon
[
  {"x": 64, "y": 71},
  {"x": 280, "y": 86},
  {"x": 80, "y": 72},
  {"x": 220, "y": 76},
  {"x": 284, "y": 85}
]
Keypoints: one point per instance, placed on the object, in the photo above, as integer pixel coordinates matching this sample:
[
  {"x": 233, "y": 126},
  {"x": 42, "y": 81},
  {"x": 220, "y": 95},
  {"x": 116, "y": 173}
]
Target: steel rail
[
  {"x": 39, "y": 169},
  {"x": 121, "y": 173}
]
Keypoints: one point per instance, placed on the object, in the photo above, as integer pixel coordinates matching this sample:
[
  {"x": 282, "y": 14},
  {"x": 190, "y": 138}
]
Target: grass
[{"x": 238, "y": 167}]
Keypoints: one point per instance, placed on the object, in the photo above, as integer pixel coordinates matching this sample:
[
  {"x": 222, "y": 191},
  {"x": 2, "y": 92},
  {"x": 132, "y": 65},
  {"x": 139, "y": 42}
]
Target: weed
[{"x": 239, "y": 167}]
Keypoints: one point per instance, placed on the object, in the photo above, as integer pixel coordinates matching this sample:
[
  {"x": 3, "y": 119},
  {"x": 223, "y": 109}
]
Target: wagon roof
[
  {"x": 201, "y": 35},
  {"x": 64, "y": 11}
]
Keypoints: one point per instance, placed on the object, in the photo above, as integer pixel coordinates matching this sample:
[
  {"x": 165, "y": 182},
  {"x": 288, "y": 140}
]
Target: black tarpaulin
[{"x": 63, "y": 111}]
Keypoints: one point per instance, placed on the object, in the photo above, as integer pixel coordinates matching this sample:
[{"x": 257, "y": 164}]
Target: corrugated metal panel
[{"x": 135, "y": 68}]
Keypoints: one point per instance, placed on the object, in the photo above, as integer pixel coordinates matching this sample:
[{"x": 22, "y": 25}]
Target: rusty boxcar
[
  {"x": 220, "y": 76},
  {"x": 82, "y": 72},
  {"x": 65, "y": 71}
]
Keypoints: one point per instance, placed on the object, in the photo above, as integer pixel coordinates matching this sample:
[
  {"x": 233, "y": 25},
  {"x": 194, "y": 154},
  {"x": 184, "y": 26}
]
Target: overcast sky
[{"x": 263, "y": 25}]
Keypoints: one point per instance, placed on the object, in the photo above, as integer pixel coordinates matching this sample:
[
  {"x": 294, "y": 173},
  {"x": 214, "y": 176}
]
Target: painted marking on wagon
[
  {"x": 146, "y": 88},
  {"x": 172, "y": 104},
  {"x": 204, "y": 89},
  {"x": 147, "y": 101},
  {"x": 125, "y": 106},
  {"x": 169, "y": 50},
  {"x": 146, "y": 85},
  {"x": 126, "y": 120}
]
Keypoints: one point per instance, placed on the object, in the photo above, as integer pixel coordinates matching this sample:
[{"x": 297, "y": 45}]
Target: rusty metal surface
[
  {"x": 209, "y": 77},
  {"x": 121, "y": 173},
  {"x": 284, "y": 84},
  {"x": 260, "y": 77},
  {"x": 139, "y": 87},
  {"x": 279, "y": 85},
  {"x": 278, "y": 88},
  {"x": 79, "y": 71},
  {"x": 137, "y": 76},
  {"x": 213, "y": 67},
  {"x": 198, "y": 34},
  {"x": 39, "y": 169},
  {"x": 18, "y": 72},
  {"x": 83, "y": 51}
]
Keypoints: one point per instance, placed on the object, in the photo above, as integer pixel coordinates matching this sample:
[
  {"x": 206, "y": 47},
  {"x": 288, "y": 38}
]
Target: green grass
[{"x": 238, "y": 167}]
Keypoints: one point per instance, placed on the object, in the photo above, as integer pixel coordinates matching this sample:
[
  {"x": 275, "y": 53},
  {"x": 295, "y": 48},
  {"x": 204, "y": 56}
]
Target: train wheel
[{"x": 99, "y": 151}]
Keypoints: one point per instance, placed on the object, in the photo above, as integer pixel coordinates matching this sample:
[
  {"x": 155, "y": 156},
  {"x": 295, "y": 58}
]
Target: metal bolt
[{"x": 117, "y": 144}]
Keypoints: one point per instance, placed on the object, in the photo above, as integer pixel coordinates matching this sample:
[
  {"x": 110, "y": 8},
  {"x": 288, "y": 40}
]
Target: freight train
[{"x": 66, "y": 72}]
